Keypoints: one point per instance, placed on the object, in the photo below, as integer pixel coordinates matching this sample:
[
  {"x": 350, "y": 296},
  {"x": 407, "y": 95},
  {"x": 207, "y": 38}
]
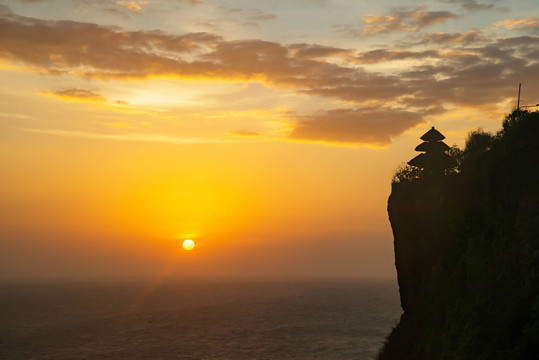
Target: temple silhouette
[{"x": 433, "y": 158}]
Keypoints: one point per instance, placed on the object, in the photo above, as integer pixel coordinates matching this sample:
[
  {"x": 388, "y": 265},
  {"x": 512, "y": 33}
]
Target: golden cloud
[
  {"x": 130, "y": 137},
  {"x": 526, "y": 23},
  {"x": 482, "y": 74},
  {"x": 135, "y": 6},
  {"x": 402, "y": 19},
  {"x": 245, "y": 133}
]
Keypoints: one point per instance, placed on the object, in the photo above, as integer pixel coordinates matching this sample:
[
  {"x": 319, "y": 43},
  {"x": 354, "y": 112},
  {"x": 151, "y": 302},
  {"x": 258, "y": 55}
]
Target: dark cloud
[
  {"x": 427, "y": 18},
  {"x": 248, "y": 14},
  {"x": 33, "y": 1},
  {"x": 348, "y": 30},
  {"x": 470, "y": 37},
  {"x": 116, "y": 12},
  {"x": 470, "y": 71},
  {"x": 230, "y": 10},
  {"x": 520, "y": 41},
  {"x": 489, "y": 79},
  {"x": 319, "y": 2},
  {"x": 258, "y": 15},
  {"x": 59, "y": 45},
  {"x": 192, "y": 2},
  {"x": 76, "y": 94},
  {"x": 360, "y": 87},
  {"x": 358, "y": 126},
  {"x": 382, "y": 55},
  {"x": 471, "y": 5},
  {"x": 251, "y": 18},
  {"x": 527, "y": 46},
  {"x": 311, "y": 51},
  {"x": 5, "y": 10}
]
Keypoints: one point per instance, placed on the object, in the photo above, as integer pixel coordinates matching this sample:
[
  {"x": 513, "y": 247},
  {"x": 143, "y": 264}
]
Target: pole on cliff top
[
  {"x": 518, "y": 101},
  {"x": 523, "y": 106}
]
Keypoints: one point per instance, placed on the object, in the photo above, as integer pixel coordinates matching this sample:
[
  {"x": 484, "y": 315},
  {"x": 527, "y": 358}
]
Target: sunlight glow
[{"x": 188, "y": 244}]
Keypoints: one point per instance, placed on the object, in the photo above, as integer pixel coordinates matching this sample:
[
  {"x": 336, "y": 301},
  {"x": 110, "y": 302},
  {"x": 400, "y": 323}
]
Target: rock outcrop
[{"x": 467, "y": 252}]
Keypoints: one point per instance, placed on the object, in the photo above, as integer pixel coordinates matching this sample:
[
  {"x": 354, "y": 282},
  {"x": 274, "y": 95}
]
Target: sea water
[{"x": 196, "y": 319}]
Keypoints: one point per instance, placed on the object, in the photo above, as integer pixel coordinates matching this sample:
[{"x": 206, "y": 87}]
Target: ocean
[{"x": 195, "y": 319}]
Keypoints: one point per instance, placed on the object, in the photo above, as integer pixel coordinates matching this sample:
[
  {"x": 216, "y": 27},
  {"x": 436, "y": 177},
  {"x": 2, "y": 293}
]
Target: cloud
[
  {"x": 519, "y": 24},
  {"x": 382, "y": 55},
  {"x": 245, "y": 133},
  {"x": 75, "y": 94},
  {"x": 89, "y": 49},
  {"x": 528, "y": 46},
  {"x": 130, "y": 137},
  {"x": 119, "y": 125},
  {"x": 249, "y": 14},
  {"x": 192, "y": 2},
  {"x": 356, "y": 126},
  {"x": 258, "y": 15},
  {"x": 471, "y": 5},
  {"x": 319, "y": 2},
  {"x": 472, "y": 70},
  {"x": 440, "y": 38},
  {"x": 402, "y": 19},
  {"x": 5, "y": 10},
  {"x": 116, "y": 12},
  {"x": 135, "y": 6},
  {"x": 251, "y": 18},
  {"x": 427, "y": 18},
  {"x": 34, "y": 1},
  {"x": 488, "y": 80},
  {"x": 348, "y": 30},
  {"x": 312, "y": 51}
]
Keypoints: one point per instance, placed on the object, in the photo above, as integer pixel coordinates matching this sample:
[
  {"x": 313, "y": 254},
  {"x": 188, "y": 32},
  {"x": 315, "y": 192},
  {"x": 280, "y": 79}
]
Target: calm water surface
[{"x": 196, "y": 319}]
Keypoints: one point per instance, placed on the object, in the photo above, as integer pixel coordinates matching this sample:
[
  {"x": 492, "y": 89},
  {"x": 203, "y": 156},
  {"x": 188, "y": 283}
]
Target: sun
[{"x": 188, "y": 244}]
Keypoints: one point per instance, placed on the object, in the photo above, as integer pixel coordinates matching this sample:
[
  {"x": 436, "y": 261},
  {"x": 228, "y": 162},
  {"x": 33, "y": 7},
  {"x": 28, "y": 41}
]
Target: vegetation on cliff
[{"x": 467, "y": 250}]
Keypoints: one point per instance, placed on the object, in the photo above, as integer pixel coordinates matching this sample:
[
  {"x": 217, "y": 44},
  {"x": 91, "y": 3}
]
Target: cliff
[{"x": 467, "y": 252}]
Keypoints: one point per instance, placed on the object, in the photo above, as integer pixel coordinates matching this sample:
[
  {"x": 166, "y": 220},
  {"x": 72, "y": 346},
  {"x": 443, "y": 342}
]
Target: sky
[{"x": 266, "y": 131}]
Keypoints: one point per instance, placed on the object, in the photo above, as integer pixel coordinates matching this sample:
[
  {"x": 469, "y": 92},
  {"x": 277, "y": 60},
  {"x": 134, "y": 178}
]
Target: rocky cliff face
[{"x": 467, "y": 254}]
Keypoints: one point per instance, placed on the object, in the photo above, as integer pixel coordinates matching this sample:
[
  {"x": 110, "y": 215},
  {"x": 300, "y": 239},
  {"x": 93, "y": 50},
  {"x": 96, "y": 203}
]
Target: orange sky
[{"x": 267, "y": 136}]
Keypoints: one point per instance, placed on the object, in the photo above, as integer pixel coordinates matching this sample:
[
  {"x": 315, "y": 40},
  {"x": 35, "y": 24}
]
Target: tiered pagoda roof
[
  {"x": 438, "y": 146},
  {"x": 432, "y": 135},
  {"x": 433, "y": 157}
]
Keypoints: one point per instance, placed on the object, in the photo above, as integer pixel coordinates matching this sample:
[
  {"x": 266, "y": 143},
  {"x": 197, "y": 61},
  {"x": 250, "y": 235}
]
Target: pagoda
[{"x": 433, "y": 157}]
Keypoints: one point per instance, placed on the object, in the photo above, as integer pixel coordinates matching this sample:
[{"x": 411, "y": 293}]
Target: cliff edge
[{"x": 467, "y": 251}]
